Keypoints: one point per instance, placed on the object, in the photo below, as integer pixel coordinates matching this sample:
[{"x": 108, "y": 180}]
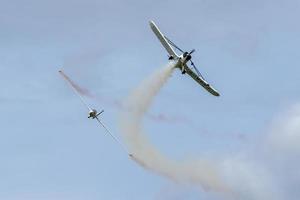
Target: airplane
[
  {"x": 93, "y": 113},
  {"x": 182, "y": 60}
]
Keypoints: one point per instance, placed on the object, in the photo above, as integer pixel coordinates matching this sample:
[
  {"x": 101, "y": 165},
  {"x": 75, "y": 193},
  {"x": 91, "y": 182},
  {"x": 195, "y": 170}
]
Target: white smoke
[
  {"x": 271, "y": 171},
  {"x": 200, "y": 172}
]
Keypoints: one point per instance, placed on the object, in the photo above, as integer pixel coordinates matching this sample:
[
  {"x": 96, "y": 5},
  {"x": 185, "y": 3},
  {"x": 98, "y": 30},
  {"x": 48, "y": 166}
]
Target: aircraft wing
[
  {"x": 114, "y": 137},
  {"x": 162, "y": 39},
  {"x": 201, "y": 81}
]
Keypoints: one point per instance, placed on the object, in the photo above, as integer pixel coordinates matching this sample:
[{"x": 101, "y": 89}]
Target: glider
[
  {"x": 93, "y": 113},
  {"x": 182, "y": 60}
]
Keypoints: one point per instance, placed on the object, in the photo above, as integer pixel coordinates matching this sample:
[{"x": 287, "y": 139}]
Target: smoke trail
[
  {"x": 80, "y": 90},
  {"x": 118, "y": 104},
  {"x": 269, "y": 171},
  {"x": 201, "y": 172}
]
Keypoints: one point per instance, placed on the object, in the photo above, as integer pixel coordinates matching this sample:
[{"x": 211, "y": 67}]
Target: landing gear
[
  {"x": 171, "y": 57},
  {"x": 183, "y": 70}
]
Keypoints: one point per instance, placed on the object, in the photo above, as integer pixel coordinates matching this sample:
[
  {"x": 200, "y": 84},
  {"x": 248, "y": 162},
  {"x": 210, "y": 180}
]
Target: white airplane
[
  {"x": 93, "y": 113},
  {"x": 182, "y": 60}
]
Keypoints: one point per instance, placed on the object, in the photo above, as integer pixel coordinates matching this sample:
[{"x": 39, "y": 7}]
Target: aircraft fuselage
[
  {"x": 92, "y": 113},
  {"x": 181, "y": 61}
]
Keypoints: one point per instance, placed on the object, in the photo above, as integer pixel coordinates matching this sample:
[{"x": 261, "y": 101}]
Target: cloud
[{"x": 284, "y": 136}]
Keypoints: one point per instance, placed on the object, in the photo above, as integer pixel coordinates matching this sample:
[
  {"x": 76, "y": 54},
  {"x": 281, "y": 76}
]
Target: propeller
[{"x": 193, "y": 50}]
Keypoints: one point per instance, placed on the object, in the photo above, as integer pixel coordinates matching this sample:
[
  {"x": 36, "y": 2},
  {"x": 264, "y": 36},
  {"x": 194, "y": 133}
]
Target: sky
[{"x": 248, "y": 50}]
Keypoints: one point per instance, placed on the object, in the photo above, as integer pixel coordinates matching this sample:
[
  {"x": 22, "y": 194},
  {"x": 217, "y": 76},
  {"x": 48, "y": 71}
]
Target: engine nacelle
[{"x": 186, "y": 57}]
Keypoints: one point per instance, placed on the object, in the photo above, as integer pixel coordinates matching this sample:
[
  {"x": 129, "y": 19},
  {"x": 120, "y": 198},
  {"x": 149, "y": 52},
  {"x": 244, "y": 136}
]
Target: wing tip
[
  {"x": 215, "y": 92},
  {"x": 152, "y": 25}
]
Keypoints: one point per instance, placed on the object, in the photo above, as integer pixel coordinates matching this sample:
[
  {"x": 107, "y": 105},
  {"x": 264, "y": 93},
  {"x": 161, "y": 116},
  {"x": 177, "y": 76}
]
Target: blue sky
[{"x": 49, "y": 150}]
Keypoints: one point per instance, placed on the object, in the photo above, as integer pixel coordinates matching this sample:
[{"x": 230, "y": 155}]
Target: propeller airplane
[{"x": 182, "y": 60}]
